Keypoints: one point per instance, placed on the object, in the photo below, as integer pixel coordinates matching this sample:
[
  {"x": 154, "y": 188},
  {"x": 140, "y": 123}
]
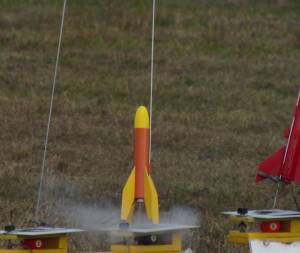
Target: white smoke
[
  {"x": 92, "y": 217},
  {"x": 99, "y": 218},
  {"x": 181, "y": 215}
]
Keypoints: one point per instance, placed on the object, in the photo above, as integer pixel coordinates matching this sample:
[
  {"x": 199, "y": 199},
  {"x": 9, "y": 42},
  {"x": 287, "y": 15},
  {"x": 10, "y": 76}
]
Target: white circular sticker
[{"x": 38, "y": 243}]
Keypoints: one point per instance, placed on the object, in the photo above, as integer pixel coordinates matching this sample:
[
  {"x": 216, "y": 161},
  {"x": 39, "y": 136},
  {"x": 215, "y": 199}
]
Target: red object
[
  {"x": 284, "y": 164},
  {"x": 33, "y": 243},
  {"x": 270, "y": 226},
  {"x": 141, "y": 158}
]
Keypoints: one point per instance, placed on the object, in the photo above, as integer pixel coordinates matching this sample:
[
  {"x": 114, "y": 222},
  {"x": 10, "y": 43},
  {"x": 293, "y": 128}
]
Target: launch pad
[
  {"x": 273, "y": 230},
  {"x": 170, "y": 242},
  {"x": 149, "y": 238},
  {"x": 266, "y": 225},
  {"x": 140, "y": 229},
  {"x": 36, "y": 240},
  {"x": 150, "y": 243}
]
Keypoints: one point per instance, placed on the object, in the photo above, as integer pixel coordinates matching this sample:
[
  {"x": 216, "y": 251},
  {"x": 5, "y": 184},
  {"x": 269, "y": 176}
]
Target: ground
[{"x": 226, "y": 81}]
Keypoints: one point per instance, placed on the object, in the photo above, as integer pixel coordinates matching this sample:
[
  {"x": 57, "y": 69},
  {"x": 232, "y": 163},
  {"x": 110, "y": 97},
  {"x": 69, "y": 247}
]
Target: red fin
[
  {"x": 287, "y": 132},
  {"x": 270, "y": 167}
]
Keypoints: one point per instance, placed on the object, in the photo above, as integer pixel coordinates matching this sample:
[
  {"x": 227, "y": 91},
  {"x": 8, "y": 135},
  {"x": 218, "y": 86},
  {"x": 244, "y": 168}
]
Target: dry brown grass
[{"x": 226, "y": 76}]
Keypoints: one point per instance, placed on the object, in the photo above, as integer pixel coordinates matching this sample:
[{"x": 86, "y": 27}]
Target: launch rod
[
  {"x": 290, "y": 133},
  {"x": 276, "y": 195},
  {"x": 37, "y": 209},
  {"x": 151, "y": 78}
]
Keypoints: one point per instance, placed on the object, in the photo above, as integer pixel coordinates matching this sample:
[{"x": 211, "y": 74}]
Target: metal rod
[
  {"x": 37, "y": 209},
  {"x": 151, "y": 78},
  {"x": 276, "y": 195}
]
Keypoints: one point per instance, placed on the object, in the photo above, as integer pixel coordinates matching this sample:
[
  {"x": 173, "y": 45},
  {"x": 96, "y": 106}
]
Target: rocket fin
[
  {"x": 151, "y": 198},
  {"x": 128, "y": 197},
  {"x": 271, "y": 166}
]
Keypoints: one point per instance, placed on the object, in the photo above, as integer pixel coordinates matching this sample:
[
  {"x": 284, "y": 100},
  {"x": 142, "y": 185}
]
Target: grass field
[{"x": 226, "y": 80}]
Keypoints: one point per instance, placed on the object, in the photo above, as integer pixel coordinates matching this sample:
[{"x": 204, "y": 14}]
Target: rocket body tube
[{"x": 141, "y": 149}]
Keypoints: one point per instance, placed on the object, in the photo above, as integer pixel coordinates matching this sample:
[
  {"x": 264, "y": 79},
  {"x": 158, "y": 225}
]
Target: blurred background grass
[{"x": 226, "y": 80}]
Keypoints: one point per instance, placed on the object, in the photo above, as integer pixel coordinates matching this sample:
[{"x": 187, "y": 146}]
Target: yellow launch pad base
[
  {"x": 289, "y": 232},
  {"x": 171, "y": 244},
  {"x": 40, "y": 244}
]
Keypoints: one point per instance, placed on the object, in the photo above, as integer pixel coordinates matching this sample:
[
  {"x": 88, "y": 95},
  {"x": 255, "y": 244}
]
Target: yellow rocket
[{"x": 139, "y": 189}]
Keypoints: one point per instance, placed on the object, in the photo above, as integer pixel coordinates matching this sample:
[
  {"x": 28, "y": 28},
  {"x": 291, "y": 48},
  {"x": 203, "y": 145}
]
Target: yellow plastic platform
[
  {"x": 52, "y": 244},
  {"x": 36, "y": 240},
  {"x": 174, "y": 247},
  {"x": 243, "y": 238},
  {"x": 289, "y": 232}
]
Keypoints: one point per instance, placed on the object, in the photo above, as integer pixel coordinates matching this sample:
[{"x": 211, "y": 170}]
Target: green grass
[{"x": 226, "y": 79}]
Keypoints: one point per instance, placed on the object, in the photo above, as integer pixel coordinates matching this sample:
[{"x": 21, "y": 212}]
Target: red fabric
[
  {"x": 285, "y": 162},
  {"x": 287, "y": 132},
  {"x": 271, "y": 166}
]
